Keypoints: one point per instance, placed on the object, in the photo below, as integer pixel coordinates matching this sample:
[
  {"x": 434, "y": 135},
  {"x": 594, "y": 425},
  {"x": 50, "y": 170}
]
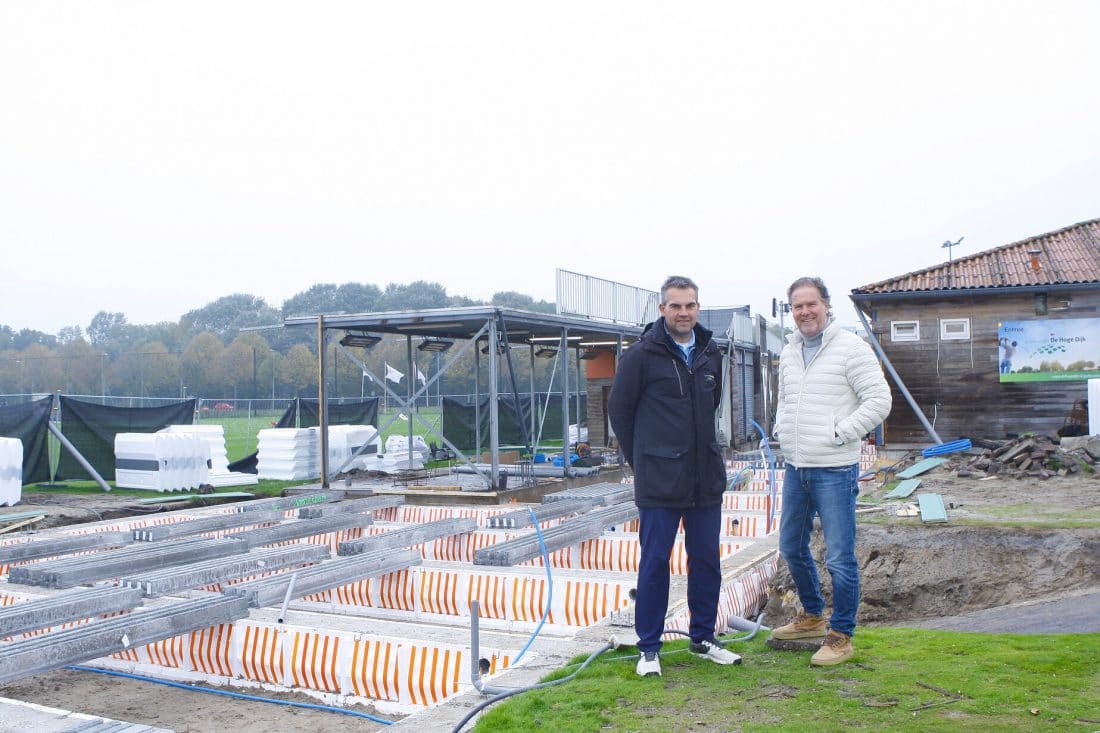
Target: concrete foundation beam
[
  {"x": 408, "y": 536},
  {"x": 37, "y": 549},
  {"x": 604, "y": 493},
  {"x": 317, "y": 578},
  {"x": 210, "y": 572},
  {"x": 207, "y": 524},
  {"x": 522, "y": 517},
  {"x": 107, "y": 636},
  {"x": 355, "y": 506},
  {"x": 66, "y": 607},
  {"x": 297, "y": 529},
  {"x": 87, "y": 569}
]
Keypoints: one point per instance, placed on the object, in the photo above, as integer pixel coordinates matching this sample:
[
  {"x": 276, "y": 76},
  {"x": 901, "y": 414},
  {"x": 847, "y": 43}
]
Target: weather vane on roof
[
  {"x": 950, "y": 266},
  {"x": 949, "y": 244}
]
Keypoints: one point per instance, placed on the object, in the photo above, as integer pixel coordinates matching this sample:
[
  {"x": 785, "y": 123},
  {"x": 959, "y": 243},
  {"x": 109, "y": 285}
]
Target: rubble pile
[{"x": 1033, "y": 456}]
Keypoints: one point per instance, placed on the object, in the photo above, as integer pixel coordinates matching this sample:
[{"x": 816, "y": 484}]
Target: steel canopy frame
[{"x": 504, "y": 326}]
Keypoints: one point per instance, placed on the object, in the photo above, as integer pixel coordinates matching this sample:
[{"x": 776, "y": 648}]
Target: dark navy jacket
[{"x": 662, "y": 412}]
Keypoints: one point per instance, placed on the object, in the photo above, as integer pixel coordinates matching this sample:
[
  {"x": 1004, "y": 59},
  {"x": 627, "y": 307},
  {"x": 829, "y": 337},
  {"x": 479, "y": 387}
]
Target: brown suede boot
[
  {"x": 804, "y": 626},
  {"x": 836, "y": 648}
]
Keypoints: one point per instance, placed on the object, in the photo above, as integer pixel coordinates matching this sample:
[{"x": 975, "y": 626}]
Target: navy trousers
[{"x": 657, "y": 534}]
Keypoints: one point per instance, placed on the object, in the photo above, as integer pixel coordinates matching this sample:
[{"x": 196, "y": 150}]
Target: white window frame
[
  {"x": 947, "y": 335},
  {"x": 899, "y": 331}
]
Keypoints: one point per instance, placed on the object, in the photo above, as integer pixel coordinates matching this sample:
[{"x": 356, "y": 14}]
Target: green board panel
[
  {"x": 185, "y": 497},
  {"x": 921, "y": 467},
  {"x": 4, "y": 518},
  {"x": 903, "y": 489},
  {"x": 931, "y": 508}
]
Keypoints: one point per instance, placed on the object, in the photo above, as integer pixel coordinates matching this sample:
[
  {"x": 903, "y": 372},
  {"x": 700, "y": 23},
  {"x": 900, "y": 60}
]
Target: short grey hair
[
  {"x": 809, "y": 282},
  {"x": 679, "y": 282}
]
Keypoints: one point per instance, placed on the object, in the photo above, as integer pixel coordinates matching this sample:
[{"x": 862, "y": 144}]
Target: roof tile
[{"x": 1065, "y": 256}]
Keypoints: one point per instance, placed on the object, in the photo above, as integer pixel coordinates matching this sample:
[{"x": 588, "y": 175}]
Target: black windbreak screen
[
  {"x": 92, "y": 428},
  {"x": 355, "y": 411},
  {"x": 460, "y": 419},
  {"x": 27, "y": 421}
]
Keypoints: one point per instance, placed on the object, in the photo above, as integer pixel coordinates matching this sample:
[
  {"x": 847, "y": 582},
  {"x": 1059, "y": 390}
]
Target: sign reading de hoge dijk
[{"x": 1048, "y": 350}]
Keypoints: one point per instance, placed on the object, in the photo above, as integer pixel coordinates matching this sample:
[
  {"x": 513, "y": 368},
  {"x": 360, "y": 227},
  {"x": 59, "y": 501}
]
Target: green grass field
[
  {"x": 1048, "y": 376},
  {"x": 902, "y": 679},
  {"x": 241, "y": 431}
]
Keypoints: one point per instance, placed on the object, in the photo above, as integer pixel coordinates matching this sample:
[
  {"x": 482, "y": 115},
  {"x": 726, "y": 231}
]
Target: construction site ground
[{"x": 1016, "y": 555}]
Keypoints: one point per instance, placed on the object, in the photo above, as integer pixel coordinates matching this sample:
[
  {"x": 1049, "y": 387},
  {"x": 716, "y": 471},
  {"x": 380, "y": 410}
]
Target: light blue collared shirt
[{"x": 686, "y": 349}]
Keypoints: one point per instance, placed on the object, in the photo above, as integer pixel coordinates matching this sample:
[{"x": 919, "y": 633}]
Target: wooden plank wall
[{"x": 956, "y": 383}]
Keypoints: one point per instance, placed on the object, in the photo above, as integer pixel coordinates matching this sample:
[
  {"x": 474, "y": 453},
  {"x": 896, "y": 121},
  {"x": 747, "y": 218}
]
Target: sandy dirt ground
[
  {"x": 1006, "y": 541},
  {"x": 911, "y": 572}
]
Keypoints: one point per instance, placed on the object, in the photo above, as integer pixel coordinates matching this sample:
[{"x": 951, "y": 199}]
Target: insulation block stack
[
  {"x": 288, "y": 454},
  {"x": 349, "y": 439},
  {"x": 11, "y": 471},
  {"x": 398, "y": 456},
  {"x": 214, "y": 436},
  {"x": 160, "y": 461}
]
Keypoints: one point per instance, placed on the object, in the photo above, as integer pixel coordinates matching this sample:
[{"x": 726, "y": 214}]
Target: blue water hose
[
  {"x": 227, "y": 693},
  {"x": 771, "y": 470},
  {"x": 549, "y": 594}
]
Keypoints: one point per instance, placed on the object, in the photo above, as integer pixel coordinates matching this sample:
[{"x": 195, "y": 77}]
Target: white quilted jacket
[{"x": 826, "y": 407}]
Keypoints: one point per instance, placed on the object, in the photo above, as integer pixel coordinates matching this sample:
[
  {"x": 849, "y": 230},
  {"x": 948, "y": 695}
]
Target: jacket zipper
[{"x": 676, "y": 368}]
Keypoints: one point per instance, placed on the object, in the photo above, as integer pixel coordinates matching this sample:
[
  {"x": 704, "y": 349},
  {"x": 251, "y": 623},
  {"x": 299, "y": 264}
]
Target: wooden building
[{"x": 995, "y": 343}]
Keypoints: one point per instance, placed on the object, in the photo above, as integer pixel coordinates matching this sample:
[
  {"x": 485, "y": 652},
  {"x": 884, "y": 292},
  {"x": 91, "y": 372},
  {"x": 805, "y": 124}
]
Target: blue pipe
[
  {"x": 771, "y": 470},
  {"x": 952, "y": 447},
  {"x": 226, "y": 693},
  {"x": 549, "y": 594}
]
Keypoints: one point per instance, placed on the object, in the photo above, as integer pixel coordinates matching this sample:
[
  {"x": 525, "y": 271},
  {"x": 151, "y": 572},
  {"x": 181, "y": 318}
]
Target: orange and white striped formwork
[
  {"x": 326, "y": 657},
  {"x": 400, "y": 640}
]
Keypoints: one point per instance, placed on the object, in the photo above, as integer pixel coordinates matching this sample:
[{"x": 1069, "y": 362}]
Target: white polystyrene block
[
  {"x": 11, "y": 471},
  {"x": 160, "y": 461}
]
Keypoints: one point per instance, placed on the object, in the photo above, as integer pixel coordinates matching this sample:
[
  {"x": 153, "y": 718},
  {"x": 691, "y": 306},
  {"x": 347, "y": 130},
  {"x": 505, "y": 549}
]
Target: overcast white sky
[{"x": 157, "y": 155}]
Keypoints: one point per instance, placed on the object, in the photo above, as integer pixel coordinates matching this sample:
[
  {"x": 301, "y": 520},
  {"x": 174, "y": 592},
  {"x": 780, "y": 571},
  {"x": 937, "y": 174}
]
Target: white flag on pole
[
  {"x": 420, "y": 376},
  {"x": 393, "y": 375}
]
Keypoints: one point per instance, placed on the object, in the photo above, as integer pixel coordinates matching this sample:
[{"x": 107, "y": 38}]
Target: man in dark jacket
[{"x": 666, "y": 391}]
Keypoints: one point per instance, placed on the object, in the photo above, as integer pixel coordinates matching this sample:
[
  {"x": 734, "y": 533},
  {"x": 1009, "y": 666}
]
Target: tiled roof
[{"x": 1069, "y": 255}]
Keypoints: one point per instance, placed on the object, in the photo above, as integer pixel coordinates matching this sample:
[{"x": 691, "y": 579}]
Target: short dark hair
[
  {"x": 678, "y": 281},
  {"x": 809, "y": 282}
]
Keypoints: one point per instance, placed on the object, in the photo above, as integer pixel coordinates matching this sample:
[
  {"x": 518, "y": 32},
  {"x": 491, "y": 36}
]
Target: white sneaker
[
  {"x": 649, "y": 664},
  {"x": 714, "y": 652}
]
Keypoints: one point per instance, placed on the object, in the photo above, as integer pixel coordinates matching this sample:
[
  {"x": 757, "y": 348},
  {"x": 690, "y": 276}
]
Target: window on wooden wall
[
  {"x": 905, "y": 330},
  {"x": 954, "y": 329}
]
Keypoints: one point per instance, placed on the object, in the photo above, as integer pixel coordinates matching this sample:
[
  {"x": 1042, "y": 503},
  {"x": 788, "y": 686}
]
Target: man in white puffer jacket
[{"x": 831, "y": 393}]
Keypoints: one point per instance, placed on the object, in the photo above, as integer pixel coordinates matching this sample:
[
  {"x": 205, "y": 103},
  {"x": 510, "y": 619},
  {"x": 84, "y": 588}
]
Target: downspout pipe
[
  {"x": 897, "y": 380},
  {"x": 76, "y": 454}
]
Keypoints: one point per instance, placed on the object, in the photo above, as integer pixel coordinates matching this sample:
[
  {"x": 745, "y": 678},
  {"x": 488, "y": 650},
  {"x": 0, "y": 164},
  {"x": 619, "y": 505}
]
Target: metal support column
[
  {"x": 494, "y": 406},
  {"x": 563, "y": 349},
  {"x": 534, "y": 441},
  {"x": 411, "y": 407},
  {"x": 477, "y": 402},
  {"x": 322, "y": 406}
]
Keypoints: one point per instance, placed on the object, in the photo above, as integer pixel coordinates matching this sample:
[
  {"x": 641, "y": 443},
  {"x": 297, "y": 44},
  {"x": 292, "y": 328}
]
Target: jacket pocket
[{"x": 658, "y": 475}]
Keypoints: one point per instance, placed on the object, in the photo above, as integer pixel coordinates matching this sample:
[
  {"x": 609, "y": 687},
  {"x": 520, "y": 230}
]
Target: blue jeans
[
  {"x": 831, "y": 494},
  {"x": 656, "y": 535}
]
